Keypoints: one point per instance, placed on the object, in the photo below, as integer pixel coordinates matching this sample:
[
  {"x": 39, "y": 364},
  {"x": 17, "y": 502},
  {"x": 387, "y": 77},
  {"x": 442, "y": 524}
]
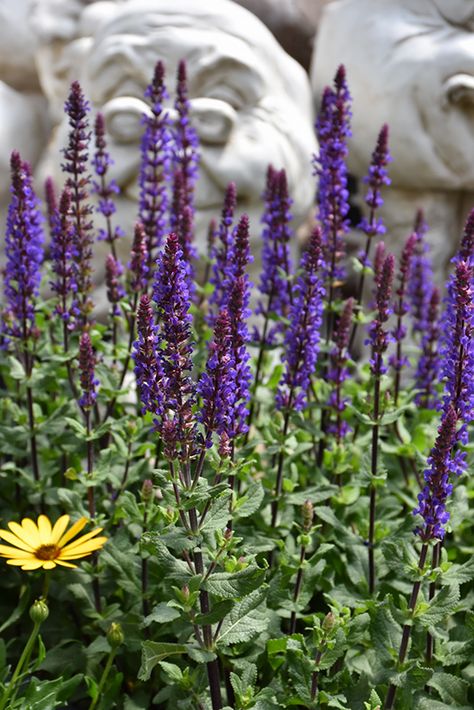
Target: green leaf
[
  {"x": 231, "y": 585},
  {"x": 17, "y": 613},
  {"x": 218, "y": 514},
  {"x": 250, "y": 502},
  {"x": 77, "y": 426},
  {"x": 246, "y": 619},
  {"x": 17, "y": 371},
  {"x": 200, "y": 655},
  {"x": 217, "y": 613},
  {"x": 173, "y": 671},
  {"x": 154, "y": 652},
  {"x": 458, "y": 574},
  {"x": 162, "y": 614},
  {"x": 442, "y": 605},
  {"x": 451, "y": 688}
]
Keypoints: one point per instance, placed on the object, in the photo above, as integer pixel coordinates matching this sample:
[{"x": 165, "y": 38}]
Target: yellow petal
[
  {"x": 44, "y": 527},
  {"x": 82, "y": 539},
  {"x": 49, "y": 564},
  {"x": 7, "y": 551},
  {"x": 31, "y": 530},
  {"x": 83, "y": 550},
  {"x": 23, "y": 535},
  {"x": 59, "y": 527},
  {"x": 21, "y": 562},
  {"x": 30, "y": 566},
  {"x": 77, "y": 527},
  {"x": 65, "y": 564},
  {"x": 14, "y": 540}
]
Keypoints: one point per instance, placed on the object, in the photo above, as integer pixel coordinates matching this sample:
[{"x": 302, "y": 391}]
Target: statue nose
[{"x": 459, "y": 91}]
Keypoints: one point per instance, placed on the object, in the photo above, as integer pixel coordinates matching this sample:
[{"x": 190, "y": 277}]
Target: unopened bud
[
  {"x": 147, "y": 491},
  {"x": 115, "y": 635},
  {"x": 228, "y": 534},
  {"x": 186, "y": 593},
  {"x": 329, "y": 622},
  {"x": 39, "y": 612},
  {"x": 308, "y": 513}
]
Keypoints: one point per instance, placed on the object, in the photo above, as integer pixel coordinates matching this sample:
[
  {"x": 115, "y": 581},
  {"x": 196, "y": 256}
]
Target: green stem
[
  {"x": 26, "y": 654},
  {"x": 103, "y": 679}
]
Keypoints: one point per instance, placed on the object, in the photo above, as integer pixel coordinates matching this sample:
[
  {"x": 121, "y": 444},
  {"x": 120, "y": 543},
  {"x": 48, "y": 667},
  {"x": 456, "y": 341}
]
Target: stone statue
[
  {"x": 250, "y": 101},
  {"x": 410, "y": 63}
]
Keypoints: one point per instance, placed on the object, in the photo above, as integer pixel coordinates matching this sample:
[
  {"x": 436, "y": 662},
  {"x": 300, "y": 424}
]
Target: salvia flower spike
[
  {"x": 429, "y": 362},
  {"x": 222, "y": 253},
  {"x": 62, "y": 258},
  {"x": 24, "y": 253},
  {"x": 89, "y": 382},
  {"x": 338, "y": 373},
  {"x": 148, "y": 369},
  {"x": 105, "y": 190}
]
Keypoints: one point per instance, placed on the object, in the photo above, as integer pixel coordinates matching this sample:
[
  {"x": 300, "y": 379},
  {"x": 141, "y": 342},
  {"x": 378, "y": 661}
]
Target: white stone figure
[
  {"x": 251, "y": 102},
  {"x": 410, "y": 63}
]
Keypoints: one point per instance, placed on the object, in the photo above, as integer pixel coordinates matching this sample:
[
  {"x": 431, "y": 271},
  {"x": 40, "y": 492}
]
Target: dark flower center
[{"x": 47, "y": 552}]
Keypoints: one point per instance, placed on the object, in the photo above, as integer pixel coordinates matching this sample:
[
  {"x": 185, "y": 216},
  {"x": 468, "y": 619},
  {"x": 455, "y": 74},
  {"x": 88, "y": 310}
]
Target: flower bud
[
  {"x": 308, "y": 513},
  {"x": 115, "y": 635},
  {"x": 329, "y": 622},
  {"x": 186, "y": 593},
  {"x": 147, "y": 491},
  {"x": 39, "y": 612}
]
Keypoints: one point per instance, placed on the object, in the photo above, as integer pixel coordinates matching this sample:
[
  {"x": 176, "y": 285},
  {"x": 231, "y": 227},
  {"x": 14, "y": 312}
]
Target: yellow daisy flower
[{"x": 43, "y": 545}]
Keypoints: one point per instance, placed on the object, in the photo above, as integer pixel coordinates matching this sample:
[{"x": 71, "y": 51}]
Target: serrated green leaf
[
  {"x": 459, "y": 574},
  {"x": 154, "y": 652},
  {"x": 218, "y": 515},
  {"x": 250, "y": 502},
  {"x": 162, "y": 614},
  {"x": 443, "y": 604},
  {"x": 246, "y": 619},
  {"x": 232, "y": 585},
  {"x": 451, "y": 688},
  {"x": 173, "y": 671},
  {"x": 217, "y": 613}
]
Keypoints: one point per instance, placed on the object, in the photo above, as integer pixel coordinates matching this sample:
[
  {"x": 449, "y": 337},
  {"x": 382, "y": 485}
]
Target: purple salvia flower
[
  {"x": 62, "y": 252},
  {"x": 432, "y": 499},
  {"x": 379, "y": 337},
  {"x": 428, "y": 369},
  {"x": 420, "y": 284},
  {"x": 103, "y": 189},
  {"x": 239, "y": 311},
  {"x": 217, "y": 384},
  {"x": 222, "y": 252},
  {"x": 78, "y": 183},
  {"x": 51, "y": 203},
  {"x": 401, "y": 308},
  {"x": 338, "y": 372},
  {"x": 333, "y": 130},
  {"x": 376, "y": 179},
  {"x": 138, "y": 264},
  {"x": 301, "y": 347},
  {"x": 146, "y": 353},
  {"x": 155, "y": 164},
  {"x": 276, "y": 263},
  {"x": 171, "y": 296},
  {"x": 88, "y": 380},
  {"x": 181, "y": 219},
  {"x": 115, "y": 290},
  {"x": 24, "y": 253}
]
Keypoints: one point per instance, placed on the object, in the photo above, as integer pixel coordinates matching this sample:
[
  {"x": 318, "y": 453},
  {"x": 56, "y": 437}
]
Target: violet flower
[
  {"x": 146, "y": 354},
  {"x": 276, "y": 262},
  {"x": 217, "y": 384},
  {"x": 376, "y": 179},
  {"x": 155, "y": 164},
  {"x": 88, "y": 380},
  {"x": 420, "y": 284},
  {"x": 62, "y": 253},
  {"x": 171, "y": 296},
  {"x": 333, "y": 130},
  {"x": 115, "y": 290},
  {"x": 78, "y": 183},
  {"x": 24, "y": 253},
  {"x": 379, "y": 336},
  {"x": 138, "y": 264},
  {"x": 51, "y": 203},
  {"x": 223, "y": 254},
  {"x": 338, "y": 373},
  {"x": 105, "y": 190},
  {"x": 428, "y": 369},
  {"x": 301, "y": 347}
]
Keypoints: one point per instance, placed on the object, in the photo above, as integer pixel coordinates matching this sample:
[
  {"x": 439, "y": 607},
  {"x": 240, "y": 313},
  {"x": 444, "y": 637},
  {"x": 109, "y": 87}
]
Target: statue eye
[{"x": 228, "y": 94}]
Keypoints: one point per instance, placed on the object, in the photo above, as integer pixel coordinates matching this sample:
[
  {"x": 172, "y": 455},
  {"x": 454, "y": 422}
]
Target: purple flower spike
[
  {"x": 302, "y": 338},
  {"x": 428, "y": 370},
  {"x": 420, "y": 284},
  {"x": 105, "y": 190},
  {"x": 339, "y": 372},
  {"x": 155, "y": 165},
  {"x": 115, "y": 290},
  {"x": 398, "y": 361},
  {"x": 138, "y": 264},
  {"x": 217, "y": 385},
  {"x": 333, "y": 130},
  {"x": 223, "y": 252},
  {"x": 148, "y": 370},
  {"x": 24, "y": 253},
  {"x": 276, "y": 263},
  {"x": 51, "y": 203},
  {"x": 78, "y": 183},
  {"x": 171, "y": 295},
  {"x": 379, "y": 337},
  {"x": 432, "y": 499},
  {"x": 62, "y": 252},
  {"x": 88, "y": 379},
  {"x": 376, "y": 179}
]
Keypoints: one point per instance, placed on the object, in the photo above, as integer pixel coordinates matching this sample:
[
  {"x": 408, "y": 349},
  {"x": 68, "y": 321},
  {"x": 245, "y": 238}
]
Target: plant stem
[
  {"x": 431, "y": 592},
  {"x": 389, "y": 700},
  {"x": 103, "y": 678},
  {"x": 296, "y": 593},
  {"x": 145, "y": 605},
  {"x": 373, "y": 470},
  {"x": 315, "y": 675},
  {"x": 26, "y": 654},
  {"x": 91, "y": 504}
]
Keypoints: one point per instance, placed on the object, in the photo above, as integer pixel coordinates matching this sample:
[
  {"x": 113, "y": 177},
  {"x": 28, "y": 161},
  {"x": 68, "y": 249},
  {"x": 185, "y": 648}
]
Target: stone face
[
  {"x": 251, "y": 102},
  {"x": 410, "y": 63}
]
